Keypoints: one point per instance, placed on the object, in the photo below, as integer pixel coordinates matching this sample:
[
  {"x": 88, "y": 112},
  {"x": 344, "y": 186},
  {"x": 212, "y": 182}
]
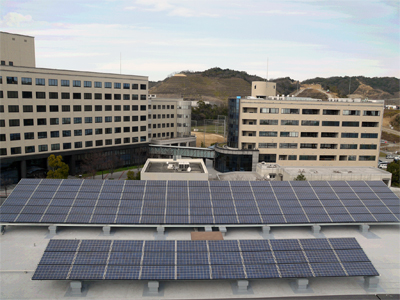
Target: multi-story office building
[
  {"x": 68, "y": 113},
  {"x": 296, "y": 131}
]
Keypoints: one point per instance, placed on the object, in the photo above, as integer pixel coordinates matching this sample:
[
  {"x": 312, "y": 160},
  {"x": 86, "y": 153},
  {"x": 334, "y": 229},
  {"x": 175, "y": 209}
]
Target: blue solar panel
[
  {"x": 224, "y": 246},
  {"x": 177, "y": 183},
  {"x": 192, "y": 258},
  {"x": 261, "y": 271},
  {"x": 342, "y": 218},
  {"x": 247, "y": 210},
  {"x": 224, "y": 211},
  {"x": 125, "y": 258},
  {"x": 328, "y": 269},
  {"x": 26, "y": 218},
  {"x": 270, "y": 210},
  {"x": 11, "y": 209},
  {"x": 122, "y": 273},
  {"x": 193, "y": 272},
  {"x": 386, "y": 217},
  {"x": 95, "y": 246},
  {"x": 360, "y": 269},
  {"x": 227, "y": 272},
  {"x": 222, "y": 258},
  {"x": 320, "y": 256},
  {"x": 177, "y": 219},
  {"x": 295, "y": 270},
  {"x": 219, "y": 184},
  {"x": 232, "y": 219},
  {"x": 249, "y": 219},
  {"x": 46, "y": 272},
  {"x": 124, "y": 219},
  {"x": 102, "y": 219},
  {"x": 198, "y": 183},
  {"x": 223, "y": 204},
  {"x": 273, "y": 219},
  {"x": 81, "y": 272},
  {"x": 283, "y": 257},
  {"x": 158, "y": 272},
  {"x": 54, "y": 218},
  {"x": 258, "y": 258},
  {"x": 288, "y": 245},
  {"x": 363, "y": 218},
  {"x": 62, "y": 245},
  {"x": 159, "y": 258},
  {"x": 91, "y": 258},
  {"x": 321, "y": 218},
  {"x": 78, "y": 219},
  {"x": 191, "y": 246}
]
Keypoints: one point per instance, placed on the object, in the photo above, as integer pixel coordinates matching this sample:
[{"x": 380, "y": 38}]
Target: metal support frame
[
  {"x": 266, "y": 229},
  {"x": 208, "y": 229},
  {"x": 52, "y": 229},
  {"x": 222, "y": 229},
  {"x": 76, "y": 288},
  {"x": 316, "y": 229},
  {"x": 160, "y": 230},
  {"x": 301, "y": 284},
  {"x": 364, "y": 228},
  {"x": 107, "y": 230},
  {"x": 242, "y": 285},
  {"x": 371, "y": 282},
  {"x": 153, "y": 287},
  {"x": 2, "y": 229}
]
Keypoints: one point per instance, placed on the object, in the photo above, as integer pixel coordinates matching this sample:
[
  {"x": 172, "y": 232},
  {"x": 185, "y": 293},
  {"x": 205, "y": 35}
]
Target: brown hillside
[
  {"x": 313, "y": 94},
  {"x": 368, "y": 92}
]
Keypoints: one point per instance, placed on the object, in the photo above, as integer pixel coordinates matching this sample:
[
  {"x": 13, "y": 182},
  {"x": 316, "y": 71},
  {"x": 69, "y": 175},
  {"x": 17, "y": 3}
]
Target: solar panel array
[
  {"x": 179, "y": 260},
  {"x": 57, "y": 201}
]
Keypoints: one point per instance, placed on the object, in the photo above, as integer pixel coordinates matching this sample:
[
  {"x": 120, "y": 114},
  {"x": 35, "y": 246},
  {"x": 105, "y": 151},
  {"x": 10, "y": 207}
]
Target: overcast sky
[{"x": 300, "y": 38}]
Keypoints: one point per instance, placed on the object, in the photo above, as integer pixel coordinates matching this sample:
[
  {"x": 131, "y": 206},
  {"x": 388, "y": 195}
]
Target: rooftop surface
[
  {"x": 162, "y": 167},
  {"x": 336, "y": 170}
]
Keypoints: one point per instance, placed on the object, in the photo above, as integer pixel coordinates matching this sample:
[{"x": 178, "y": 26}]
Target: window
[
  {"x": 54, "y": 134},
  {"x": 12, "y": 94},
  {"x": 78, "y": 120},
  {"x": 27, "y": 95},
  {"x": 290, "y": 122},
  {"x": 117, "y": 119},
  {"x": 87, "y": 96},
  {"x": 99, "y": 143},
  {"x": 107, "y": 96},
  {"x": 15, "y": 136},
  {"x": 126, "y": 107},
  {"x": 134, "y": 107},
  {"x": 88, "y": 120},
  {"x": 66, "y": 120},
  {"x": 64, "y": 82},
  {"x": 117, "y": 107},
  {"x": 98, "y": 96},
  {"x": 370, "y": 124},
  {"x": 328, "y": 146},
  {"x": 142, "y": 86},
  {"x": 143, "y": 128},
  {"x": 351, "y": 112},
  {"x": 267, "y": 145},
  {"x": 66, "y": 133},
  {"x": 97, "y": 84},
  {"x": 29, "y": 149},
  {"x": 269, "y": 110},
  {"x": 2, "y": 123},
  {"x": 135, "y": 129},
  {"x": 10, "y": 63},
  {"x": 142, "y": 138},
  {"x": 117, "y": 141},
  {"x": 2, "y": 137},
  {"x": 108, "y": 130},
  {"x": 12, "y": 80},
  {"x": 348, "y": 146},
  {"x": 308, "y": 146},
  {"x": 352, "y": 157},
  {"x": 107, "y": 119},
  {"x": 349, "y": 135},
  {"x": 53, "y": 95},
  {"x": 126, "y": 97},
  {"x": 309, "y": 134},
  {"x": 117, "y": 130},
  {"x": 127, "y": 140},
  {"x": 327, "y": 157},
  {"x": 366, "y": 158},
  {"x": 29, "y": 135},
  {"x": 26, "y": 81},
  {"x": 290, "y": 111},
  {"x": 309, "y": 123},
  {"x": 53, "y": 108},
  {"x": 368, "y": 146},
  {"x": 40, "y": 81},
  {"x": 98, "y": 131},
  {"x": 127, "y": 129},
  {"x": 107, "y": 85},
  {"x": 27, "y": 122},
  {"x": 108, "y": 108},
  {"x": 42, "y": 135},
  {"x": 135, "y": 86},
  {"x": 127, "y": 118},
  {"x": 143, "y": 107},
  {"x": 88, "y": 108},
  {"x": 331, "y": 112},
  {"x": 53, "y": 82},
  {"x": 307, "y": 157},
  {"x": 142, "y": 97},
  {"x": 78, "y": 145},
  {"x": 369, "y": 135},
  {"x": 88, "y": 131},
  {"x": 331, "y": 123},
  {"x": 65, "y": 108},
  {"x": 142, "y": 118},
  {"x": 15, "y": 150},
  {"x": 13, "y": 108},
  {"x": 117, "y": 96},
  {"x": 135, "y": 97},
  {"x": 87, "y": 84},
  {"x": 350, "y": 124},
  {"x": 66, "y": 146},
  {"x": 65, "y": 96},
  {"x": 288, "y": 145},
  {"x": 126, "y": 86},
  {"x": 289, "y": 134},
  {"x": 55, "y": 147},
  {"x": 14, "y": 122},
  {"x": 40, "y": 95},
  {"x": 329, "y": 134},
  {"x": 76, "y": 96},
  {"x": 135, "y": 139},
  {"x": 77, "y": 108},
  {"x": 108, "y": 142},
  {"x": 134, "y": 118},
  {"x": 78, "y": 132},
  {"x": 310, "y": 111},
  {"x": 268, "y": 133},
  {"x": 76, "y": 83},
  {"x": 98, "y": 119},
  {"x": 98, "y": 108}
]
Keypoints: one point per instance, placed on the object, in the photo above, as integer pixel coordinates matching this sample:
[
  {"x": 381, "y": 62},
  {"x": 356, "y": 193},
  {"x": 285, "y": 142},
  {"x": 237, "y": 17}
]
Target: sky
[{"x": 300, "y": 39}]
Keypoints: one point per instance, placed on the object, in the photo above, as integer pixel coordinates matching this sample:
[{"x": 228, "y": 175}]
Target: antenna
[
  {"x": 120, "y": 63},
  {"x": 267, "y": 69}
]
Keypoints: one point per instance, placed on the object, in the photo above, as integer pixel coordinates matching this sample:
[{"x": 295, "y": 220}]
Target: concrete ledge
[
  {"x": 222, "y": 229},
  {"x": 106, "y": 230},
  {"x": 371, "y": 282}
]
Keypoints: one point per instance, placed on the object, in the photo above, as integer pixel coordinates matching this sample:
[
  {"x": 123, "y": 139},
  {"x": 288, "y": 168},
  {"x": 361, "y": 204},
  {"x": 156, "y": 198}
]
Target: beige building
[
  {"x": 262, "y": 89},
  {"x": 49, "y": 111}
]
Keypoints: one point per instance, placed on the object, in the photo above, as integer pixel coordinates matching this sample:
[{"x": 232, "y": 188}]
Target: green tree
[
  {"x": 130, "y": 175},
  {"x": 394, "y": 168},
  {"x": 300, "y": 177},
  {"x": 58, "y": 169}
]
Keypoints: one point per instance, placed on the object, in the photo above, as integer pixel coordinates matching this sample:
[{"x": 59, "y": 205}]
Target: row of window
[
  {"x": 315, "y": 146},
  {"x": 75, "y": 96},
  {"x": 75, "y": 83},
  {"x": 306, "y": 111},
  {"x": 77, "y": 145},
  {"x": 163, "y": 125},
  {"x": 312, "y": 123},
  {"x": 313, "y": 134},
  {"x": 329, "y": 157},
  {"x": 163, "y": 107},
  {"x": 67, "y": 108}
]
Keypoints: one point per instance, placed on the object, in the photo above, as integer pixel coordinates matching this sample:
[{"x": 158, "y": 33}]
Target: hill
[{"x": 217, "y": 85}]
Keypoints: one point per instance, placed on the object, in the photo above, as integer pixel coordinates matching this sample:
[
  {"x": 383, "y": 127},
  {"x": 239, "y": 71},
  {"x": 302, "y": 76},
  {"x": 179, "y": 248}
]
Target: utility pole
[
  {"x": 204, "y": 133},
  {"x": 349, "y": 85}
]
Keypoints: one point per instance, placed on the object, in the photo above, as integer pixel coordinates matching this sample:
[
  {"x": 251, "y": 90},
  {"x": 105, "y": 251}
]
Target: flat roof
[
  {"x": 162, "y": 167},
  {"x": 336, "y": 170}
]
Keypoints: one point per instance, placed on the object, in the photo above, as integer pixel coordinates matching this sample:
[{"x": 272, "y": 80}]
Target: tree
[
  {"x": 300, "y": 177},
  {"x": 394, "y": 168},
  {"x": 113, "y": 162},
  {"x": 58, "y": 169},
  {"x": 93, "y": 162},
  {"x": 132, "y": 176}
]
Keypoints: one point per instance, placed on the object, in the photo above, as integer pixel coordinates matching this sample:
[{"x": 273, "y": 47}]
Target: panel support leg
[
  {"x": 76, "y": 288},
  {"x": 371, "y": 282},
  {"x": 266, "y": 229},
  {"x": 153, "y": 287},
  {"x": 52, "y": 230},
  {"x": 222, "y": 229},
  {"x": 316, "y": 229},
  {"x": 106, "y": 230},
  {"x": 301, "y": 284},
  {"x": 242, "y": 285},
  {"x": 3, "y": 229},
  {"x": 208, "y": 229},
  {"x": 364, "y": 228},
  {"x": 160, "y": 230}
]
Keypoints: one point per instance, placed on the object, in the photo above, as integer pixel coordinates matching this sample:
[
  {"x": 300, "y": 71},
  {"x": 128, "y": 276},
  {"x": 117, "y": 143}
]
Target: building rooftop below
[{"x": 174, "y": 167}]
